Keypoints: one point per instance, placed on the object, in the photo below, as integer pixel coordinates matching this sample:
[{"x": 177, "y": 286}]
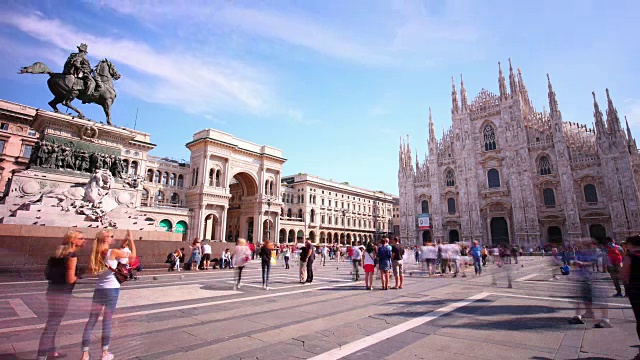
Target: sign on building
[{"x": 424, "y": 222}]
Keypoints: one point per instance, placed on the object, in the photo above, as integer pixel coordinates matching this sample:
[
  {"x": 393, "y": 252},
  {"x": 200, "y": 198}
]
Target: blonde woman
[
  {"x": 61, "y": 273},
  {"x": 102, "y": 261}
]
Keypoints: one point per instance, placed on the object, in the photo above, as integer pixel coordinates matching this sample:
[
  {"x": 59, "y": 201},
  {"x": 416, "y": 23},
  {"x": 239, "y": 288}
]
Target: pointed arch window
[
  {"x": 211, "y": 172},
  {"x": 493, "y": 178},
  {"x": 217, "y": 178},
  {"x": 451, "y": 205},
  {"x": 450, "y": 178},
  {"x": 489, "y": 135},
  {"x": 544, "y": 165},
  {"x": 549, "y": 197},
  {"x": 425, "y": 206},
  {"x": 590, "y": 193}
]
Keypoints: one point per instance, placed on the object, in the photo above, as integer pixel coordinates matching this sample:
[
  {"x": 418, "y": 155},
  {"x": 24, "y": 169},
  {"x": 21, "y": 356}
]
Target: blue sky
[{"x": 334, "y": 84}]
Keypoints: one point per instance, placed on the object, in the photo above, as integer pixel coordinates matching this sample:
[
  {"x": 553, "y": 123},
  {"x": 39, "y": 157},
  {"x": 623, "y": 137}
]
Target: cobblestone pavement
[{"x": 197, "y": 315}]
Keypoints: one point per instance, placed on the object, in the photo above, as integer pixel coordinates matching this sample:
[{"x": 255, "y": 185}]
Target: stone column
[
  {"x": 223, "y": 224},
  {"x": 199, "y": 225}
]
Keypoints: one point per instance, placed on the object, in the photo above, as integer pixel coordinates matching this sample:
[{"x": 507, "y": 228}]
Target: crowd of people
[{"x": 586, "y": 258}]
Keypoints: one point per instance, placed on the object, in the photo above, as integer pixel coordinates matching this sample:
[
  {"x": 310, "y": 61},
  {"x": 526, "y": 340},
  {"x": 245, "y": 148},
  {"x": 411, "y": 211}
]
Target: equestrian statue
[{"x": 79, "y": 80}]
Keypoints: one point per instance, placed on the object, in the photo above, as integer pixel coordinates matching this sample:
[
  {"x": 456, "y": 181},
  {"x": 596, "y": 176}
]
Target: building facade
[
  {"x": 229, "y": 188},
  {"x": 17, "y": 138},
  {"x": 326, "y": 211},
  {"x": 507, "y": 173}
]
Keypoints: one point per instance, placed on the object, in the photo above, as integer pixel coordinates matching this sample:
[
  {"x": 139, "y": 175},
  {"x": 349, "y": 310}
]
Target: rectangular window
[
  {"x": 26, "y": 152},
  {"x": 31, "y": 132},
  {"x": 2, "y": 143},
  {"x": 4, "y": 126}
]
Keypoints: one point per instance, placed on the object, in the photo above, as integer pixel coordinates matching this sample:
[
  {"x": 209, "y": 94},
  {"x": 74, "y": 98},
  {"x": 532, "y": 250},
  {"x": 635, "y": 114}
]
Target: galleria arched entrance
[{"x": 234, "y": 188}]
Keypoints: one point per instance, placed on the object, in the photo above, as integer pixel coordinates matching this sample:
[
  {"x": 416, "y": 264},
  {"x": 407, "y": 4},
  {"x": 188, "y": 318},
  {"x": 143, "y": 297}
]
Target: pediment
[{"x": 493, "y": 159}]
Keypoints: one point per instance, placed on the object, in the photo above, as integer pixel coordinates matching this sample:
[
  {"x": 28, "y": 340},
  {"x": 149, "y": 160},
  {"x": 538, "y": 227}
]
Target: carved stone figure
[{"x": 76, "y": 81}]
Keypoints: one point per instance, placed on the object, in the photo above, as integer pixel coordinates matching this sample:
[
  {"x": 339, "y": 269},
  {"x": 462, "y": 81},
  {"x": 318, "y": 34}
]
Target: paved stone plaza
[{"x": 197, "y": 315}]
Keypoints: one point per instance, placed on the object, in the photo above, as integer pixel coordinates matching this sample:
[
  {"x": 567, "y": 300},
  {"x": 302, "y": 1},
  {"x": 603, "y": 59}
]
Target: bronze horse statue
[{"x": 66, "y": 88}]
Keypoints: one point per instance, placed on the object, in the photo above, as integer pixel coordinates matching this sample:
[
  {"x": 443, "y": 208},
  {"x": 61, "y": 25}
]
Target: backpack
[
  {"x": 56, "y": 270},
  {"x": 613, "y": 252},
  {"x": 565, "y": 269}
]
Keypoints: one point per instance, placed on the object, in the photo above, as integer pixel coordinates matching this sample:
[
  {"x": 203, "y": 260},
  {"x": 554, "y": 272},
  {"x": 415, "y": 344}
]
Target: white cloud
[
  {"x": 178, "y": 79},
  {"x": 397, "y": 35}
]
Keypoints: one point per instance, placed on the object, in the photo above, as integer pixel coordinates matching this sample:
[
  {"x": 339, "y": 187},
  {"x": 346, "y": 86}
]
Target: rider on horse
[{"x": 78, "y": 65}]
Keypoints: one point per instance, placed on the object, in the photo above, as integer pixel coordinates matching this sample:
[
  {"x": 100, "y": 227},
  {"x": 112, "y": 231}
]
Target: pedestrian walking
[
  {"x": 476, "y": 254},
  {"x": 484, "y": 253},
  {"x": 631, "y": 278},
  {"x": 323, "y": 255},
  {"x": 356, "y": 260},
  {"x": 266, "y": 253},
  {"x": 614, "y": 256},
  {"x": 397, "y": 263},
  {"x": 384, "y": 262},
  {"x": 369, "y": 265},
  {"x": 103, "y": 263},
  {"x": 311, "y": 256},
  {"x": 62, "y": 273},
  {"x": 303, "y": 256},
  {"x": 286, "y": 254},
  {"x": 241, "y": 256},
  {"x": 584, "y": 257}
]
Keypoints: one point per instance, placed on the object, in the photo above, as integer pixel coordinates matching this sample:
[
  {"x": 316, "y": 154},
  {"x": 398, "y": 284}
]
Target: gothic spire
[
  {"x": 613, "y": 121},
  {"x": 455, "y": 108},
  {"x": 597, "y": 114},
  {"x": 432, "y": 130},
  {"x": 463, "y": 96},
  {"x": 553, "y": 103},
  {"x": 502, "y": 84},
  {"x": 512, "y": 81},
  {"x": 633, "y": 147},
  {"x": 524, "y": 94}
]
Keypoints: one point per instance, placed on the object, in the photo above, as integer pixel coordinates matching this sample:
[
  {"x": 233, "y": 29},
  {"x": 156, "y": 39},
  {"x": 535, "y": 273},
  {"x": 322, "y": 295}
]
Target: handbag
[
  {"x": 121, "y": 272},
  {"x": 273, "y": 259}
]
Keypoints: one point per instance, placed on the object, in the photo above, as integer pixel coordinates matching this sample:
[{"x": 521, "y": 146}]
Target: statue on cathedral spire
[
  {"x": 455, "y": 108},
  {"x": 502, "y": 84},
  {"x": 512, "y": 81},
  {"x": 463, "y": 96},
  {"x": 613, "y": 121}
]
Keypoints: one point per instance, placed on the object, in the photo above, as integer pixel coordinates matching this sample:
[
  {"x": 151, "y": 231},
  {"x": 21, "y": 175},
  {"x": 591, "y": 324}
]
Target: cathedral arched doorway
[
  {"x": 499, "y": 231},
  {"x": 242, "y": 187},
  {"x": 554, "y": 235},
  {"x": 426, "y": 236},
  {"x": 454, "y": 236},
  {"x": 598, "y": 232}
]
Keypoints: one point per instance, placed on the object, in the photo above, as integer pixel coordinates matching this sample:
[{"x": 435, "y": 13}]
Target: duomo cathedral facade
[{"x": 504, "y": 173}]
